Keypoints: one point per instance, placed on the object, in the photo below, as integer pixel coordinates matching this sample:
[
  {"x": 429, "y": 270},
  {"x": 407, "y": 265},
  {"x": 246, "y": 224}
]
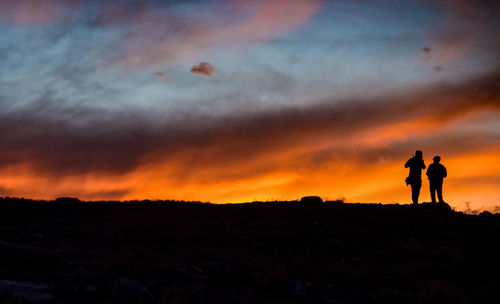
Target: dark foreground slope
[{"x": 70, "y": 252}]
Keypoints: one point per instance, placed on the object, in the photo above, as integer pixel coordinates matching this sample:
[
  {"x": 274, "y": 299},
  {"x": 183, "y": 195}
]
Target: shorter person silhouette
[{"x": 436, "y": 172}]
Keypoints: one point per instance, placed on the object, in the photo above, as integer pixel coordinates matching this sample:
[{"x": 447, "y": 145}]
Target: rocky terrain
[{"x": 277, "y": 252}]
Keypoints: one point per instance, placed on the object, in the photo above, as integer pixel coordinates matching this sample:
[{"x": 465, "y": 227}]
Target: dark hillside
[{"x": 149, "y": 252}]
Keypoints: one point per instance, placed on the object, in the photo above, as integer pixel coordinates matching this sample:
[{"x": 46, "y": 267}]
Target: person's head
[
  {"x": 436, "y": 159},
  {"x": 418, "y": 154}
]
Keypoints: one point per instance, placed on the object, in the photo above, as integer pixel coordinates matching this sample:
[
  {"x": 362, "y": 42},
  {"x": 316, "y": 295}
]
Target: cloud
[
  {"x": 437, "y": 68},
  {"x": 163, "y": 76},
  {"x": 454, "y": 44},
  {"x": 276, "y": 16},
  {"x": 34, "y": 12},
  {"x": 471, "y": 10},
  {"x": 162, "y": 37},
  {"x": 465, "y": 26},
  {"x": 204, "y": 69},
  {"x": 65, "y": 141},
  {"x": 426, "y": 49}
]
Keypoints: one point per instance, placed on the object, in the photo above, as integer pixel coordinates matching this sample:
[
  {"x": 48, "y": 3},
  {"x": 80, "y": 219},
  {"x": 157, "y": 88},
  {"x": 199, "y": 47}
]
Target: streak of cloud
[
  {"x": 34, "y": 12},
  {"x": 464, "y": 26},
  {"x": 437, "y": 68},
  {"x": 163, "y": 76},
  {"x": 261, "y": 22}
]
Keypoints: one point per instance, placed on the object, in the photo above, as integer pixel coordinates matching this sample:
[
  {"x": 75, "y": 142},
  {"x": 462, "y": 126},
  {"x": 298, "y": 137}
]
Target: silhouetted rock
[
  {"x": 129, "y": 291},
  {"x": 311, "y": 200},
  {"x": 25, "y": 292}
]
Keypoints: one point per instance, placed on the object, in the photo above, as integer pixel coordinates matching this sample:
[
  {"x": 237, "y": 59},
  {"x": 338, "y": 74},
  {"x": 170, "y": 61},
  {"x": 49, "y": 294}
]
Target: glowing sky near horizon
[{"x": 232, "y": 100}]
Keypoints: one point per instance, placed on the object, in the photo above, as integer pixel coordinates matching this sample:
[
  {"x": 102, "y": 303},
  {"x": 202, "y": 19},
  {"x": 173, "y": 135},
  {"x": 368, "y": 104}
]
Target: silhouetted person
[
  {"x": 436, "y": 172},
  {"x": 416, "y": 164}
]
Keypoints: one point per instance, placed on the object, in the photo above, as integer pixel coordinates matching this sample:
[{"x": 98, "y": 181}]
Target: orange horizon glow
[
  {"x": 472, "y": 183},
  {"x": 381, "y": 183}
]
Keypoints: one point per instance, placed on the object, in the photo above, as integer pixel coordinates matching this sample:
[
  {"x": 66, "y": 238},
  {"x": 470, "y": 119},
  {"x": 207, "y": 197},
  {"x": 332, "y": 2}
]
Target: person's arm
[
  {"x": 427, "y": 172},
  {"x": 445, "y": 174},
  {"x": 407, "y": 163},
  {"x": 423, "y": 165}
]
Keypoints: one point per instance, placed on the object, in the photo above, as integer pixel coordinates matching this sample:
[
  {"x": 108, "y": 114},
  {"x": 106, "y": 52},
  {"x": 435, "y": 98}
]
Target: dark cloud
[
  {"x": 480, "y": 11},
  {"x": 437, "y": 68},
  {"x": 67, "y": 141},
  {"x": 61, "y": 142},
  {"x": 448, "y": 143},
  {"x": 466, "y": 26},
  {"x": 204, "y": 68},
  {"x": 426, "y": 49}
]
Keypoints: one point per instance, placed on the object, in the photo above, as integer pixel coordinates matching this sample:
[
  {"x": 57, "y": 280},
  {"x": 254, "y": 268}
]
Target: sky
[{"x": 233, "y": 101}]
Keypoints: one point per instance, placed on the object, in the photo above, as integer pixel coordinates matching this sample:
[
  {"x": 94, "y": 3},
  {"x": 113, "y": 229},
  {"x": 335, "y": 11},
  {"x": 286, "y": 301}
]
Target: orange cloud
[
  {"x": 275, "y": 17},
  {"x": 151, "y": 42},
  {"x": 32, "y": 12}
]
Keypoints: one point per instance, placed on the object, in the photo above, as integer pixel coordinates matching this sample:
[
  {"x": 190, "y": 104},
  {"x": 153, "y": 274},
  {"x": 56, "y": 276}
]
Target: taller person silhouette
[
  {"x": 416, "y": 164},
  {"x": 436, "y": 172}
]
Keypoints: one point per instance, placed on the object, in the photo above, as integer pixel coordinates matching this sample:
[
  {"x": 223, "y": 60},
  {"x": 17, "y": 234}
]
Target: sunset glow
[{"x": 232, "y": 101}]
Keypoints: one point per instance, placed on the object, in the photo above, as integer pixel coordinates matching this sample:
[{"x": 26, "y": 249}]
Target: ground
[{"x": 275, "y": 252}]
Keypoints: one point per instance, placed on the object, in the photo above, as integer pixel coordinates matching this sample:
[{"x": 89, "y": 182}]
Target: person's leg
[
  {"x": 418, "y": 191},
  {"x": 415, "y": 192},
  {"x": 439, "y": 189},
  {"x": 412, "y": 193},
  {"x": 432, "y": 187}
]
